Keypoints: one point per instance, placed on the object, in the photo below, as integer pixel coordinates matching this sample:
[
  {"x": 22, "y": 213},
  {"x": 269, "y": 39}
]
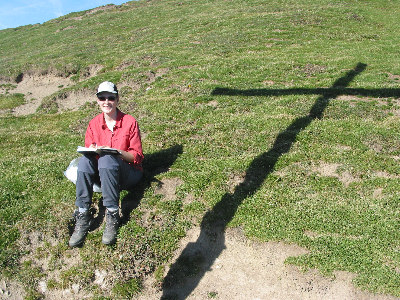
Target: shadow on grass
[
  {"x": 154, "y": 164},
  {"x": 326, "y": 92},
  {"x": 180, "y": 281}
]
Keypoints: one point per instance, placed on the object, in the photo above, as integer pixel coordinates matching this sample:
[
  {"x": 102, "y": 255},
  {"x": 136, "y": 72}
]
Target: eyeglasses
[{"x": 103, "y": 98}]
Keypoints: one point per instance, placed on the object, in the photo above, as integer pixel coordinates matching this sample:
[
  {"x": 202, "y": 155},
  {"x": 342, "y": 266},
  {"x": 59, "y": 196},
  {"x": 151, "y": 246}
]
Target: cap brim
[{"x": 113, "y": 92}]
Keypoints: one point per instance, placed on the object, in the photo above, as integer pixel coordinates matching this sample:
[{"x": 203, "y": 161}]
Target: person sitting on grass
[{"x": 112, "y": 128}]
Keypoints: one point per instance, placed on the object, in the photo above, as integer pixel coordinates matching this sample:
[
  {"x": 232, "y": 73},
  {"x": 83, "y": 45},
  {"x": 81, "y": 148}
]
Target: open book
[{"x": 100, "y": 150}]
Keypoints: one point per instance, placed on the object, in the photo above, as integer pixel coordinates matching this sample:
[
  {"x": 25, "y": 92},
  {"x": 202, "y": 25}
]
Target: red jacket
[{"x": 126, "y": 136}]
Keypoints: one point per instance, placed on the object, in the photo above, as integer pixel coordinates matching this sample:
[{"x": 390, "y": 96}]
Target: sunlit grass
[{"x": 8, "y": 101}]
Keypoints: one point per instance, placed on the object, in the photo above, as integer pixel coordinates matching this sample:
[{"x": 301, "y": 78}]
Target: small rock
[
  {"x": 42, "y": 286},
  {"x": 100, "y": 276},
  {"x": 67, "y": 293},
  {"x": 75, "y": 288}
]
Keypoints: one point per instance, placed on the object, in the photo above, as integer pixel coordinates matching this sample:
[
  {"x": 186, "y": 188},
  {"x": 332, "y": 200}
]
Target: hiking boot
[
  {"x": 112, "y": 224},
  {"x": 82, "y": 225}
]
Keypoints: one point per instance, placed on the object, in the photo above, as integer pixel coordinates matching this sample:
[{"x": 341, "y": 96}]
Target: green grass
[
  {"x": 8, "y": 101},
  {"x": 348, "y": 219}
]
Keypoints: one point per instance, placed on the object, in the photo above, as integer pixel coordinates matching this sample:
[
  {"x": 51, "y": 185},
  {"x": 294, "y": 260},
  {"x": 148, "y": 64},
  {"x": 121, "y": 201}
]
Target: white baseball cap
[{"x": 107, "y": 86}]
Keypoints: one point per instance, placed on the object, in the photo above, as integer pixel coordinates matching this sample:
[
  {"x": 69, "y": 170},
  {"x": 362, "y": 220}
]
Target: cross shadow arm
[{"x": 338, "y": 88}]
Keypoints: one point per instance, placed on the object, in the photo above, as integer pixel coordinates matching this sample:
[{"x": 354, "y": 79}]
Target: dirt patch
[
  {"x": 167, "y": 187},
  {"x": 149, "y": 78},
  {"x": 244, "y": 269},
  {"x": 326, "y": 169},
  {"x": 212, "y": 103},
  {"x": 343, "y": 148},
  {"x": 331, "y": 170},
  {"x": 75, "y": 99},
  {"x": 252, "y": 270},
  {"x": 393, "y": 77},
  {"x": 36, "y": 87},
  {"x": 128, "y": 86},
  {"x": 152, "y": 76},
  {"x": 347, "y": 178},
  {"x": 310, "y": 70},
  {"x": 268, "y": 82},
  {"x": 47, "y": 254},
  {"x": 127, "y": 64},
  {"x": 10, "y": 290},
  {"x": 347, "y": 98},
  {"x": 374, "y": 145},
  {"x": 323, "y": 169},
  {"x": 66, "y": 28},
  {"x": 42, "y": 255},
  {"x": 383, "y": 174},
  {"x": 377, "y": 193},
  {"x": 91, "y": 71},
  {"x": 189, "y": 199},
  {"x": 353, "y": 100},
  {"x": 234, "y": 181}
]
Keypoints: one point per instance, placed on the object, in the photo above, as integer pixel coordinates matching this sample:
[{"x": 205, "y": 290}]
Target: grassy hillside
[{"x": 280, "y": 117}]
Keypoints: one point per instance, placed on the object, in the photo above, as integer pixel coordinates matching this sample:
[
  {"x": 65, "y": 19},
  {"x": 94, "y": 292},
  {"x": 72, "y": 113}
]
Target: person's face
[{"x": 108, "y": 102}]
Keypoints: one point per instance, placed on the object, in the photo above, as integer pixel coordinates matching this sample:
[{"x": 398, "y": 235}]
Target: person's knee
[
  {"x": 108, "y": 162},
  {"x": 86, "y": 165}
]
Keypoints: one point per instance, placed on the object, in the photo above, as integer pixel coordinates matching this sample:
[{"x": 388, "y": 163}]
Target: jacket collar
[{"x": 120, "y": 114}]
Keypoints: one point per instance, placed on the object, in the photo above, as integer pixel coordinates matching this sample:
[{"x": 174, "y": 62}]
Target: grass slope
[{"x": 259, "y": 114}]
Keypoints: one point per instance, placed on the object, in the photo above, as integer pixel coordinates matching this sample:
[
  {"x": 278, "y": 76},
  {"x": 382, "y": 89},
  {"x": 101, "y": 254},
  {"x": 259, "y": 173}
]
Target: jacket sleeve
[
  {"x": 135, "y": 144},
  {"x": 89, "y": 138}
]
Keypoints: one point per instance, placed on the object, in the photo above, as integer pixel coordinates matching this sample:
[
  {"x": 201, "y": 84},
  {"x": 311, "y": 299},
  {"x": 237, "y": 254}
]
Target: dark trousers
[{"x": 111, "y": 171}]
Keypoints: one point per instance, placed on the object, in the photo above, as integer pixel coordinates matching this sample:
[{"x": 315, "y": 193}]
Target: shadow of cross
[
  {"x": 337, "y": 89},
  {"x": 198, "y": 257}
]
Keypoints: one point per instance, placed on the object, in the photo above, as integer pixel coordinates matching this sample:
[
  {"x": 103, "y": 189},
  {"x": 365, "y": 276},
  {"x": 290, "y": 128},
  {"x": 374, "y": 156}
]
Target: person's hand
[{"x": 128, "y": 156}]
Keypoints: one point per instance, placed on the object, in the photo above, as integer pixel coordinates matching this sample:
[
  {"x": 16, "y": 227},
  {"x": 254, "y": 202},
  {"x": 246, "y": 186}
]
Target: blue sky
[{"x": 15, "y": 13}]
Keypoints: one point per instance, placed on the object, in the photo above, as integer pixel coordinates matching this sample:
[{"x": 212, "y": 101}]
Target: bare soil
[
  {"x": 35, "y": 88},
  {"x": 247, "y": 269}
]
